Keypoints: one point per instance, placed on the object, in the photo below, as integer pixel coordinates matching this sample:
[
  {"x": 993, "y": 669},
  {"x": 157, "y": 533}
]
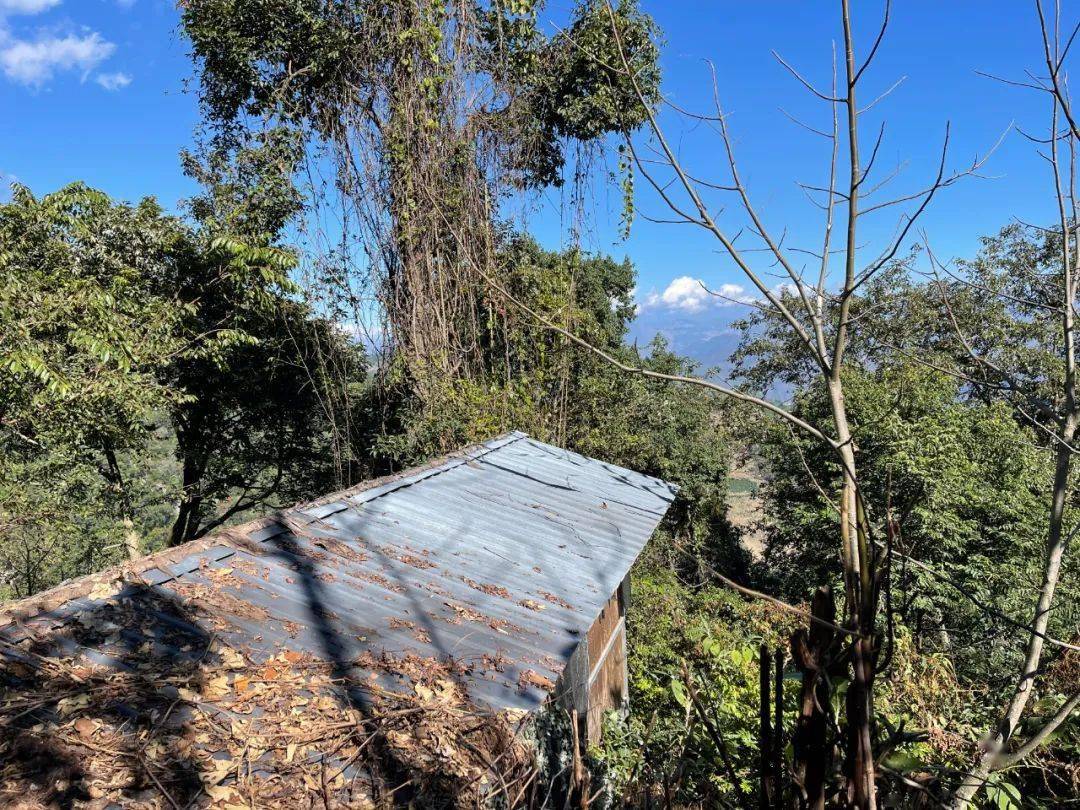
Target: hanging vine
[{"x": 427, "y": 115}]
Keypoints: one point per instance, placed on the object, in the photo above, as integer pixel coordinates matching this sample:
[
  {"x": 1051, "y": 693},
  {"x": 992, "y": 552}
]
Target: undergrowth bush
[{"x": 707, "y": 638}]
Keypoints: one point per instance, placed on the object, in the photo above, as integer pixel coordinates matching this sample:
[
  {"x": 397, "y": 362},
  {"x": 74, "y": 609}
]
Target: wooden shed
[{"x": 495, "y": 577}]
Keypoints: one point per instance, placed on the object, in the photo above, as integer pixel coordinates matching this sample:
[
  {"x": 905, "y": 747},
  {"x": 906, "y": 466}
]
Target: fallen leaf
[
  {"x": 232, "y": 659},
  {"x": 269, "y": 673},
  {"x": 221, "y": 769},
  {"x": 532, "y": 678},
  {"x": 216, "y": 688},
  {"x": 446, "y": 691},
  {"x": 103, "y": 590},
  {"x": 86, "y": 727},
  {"x": 220, "y": 793},
  {"x": 69, "y": 705}
]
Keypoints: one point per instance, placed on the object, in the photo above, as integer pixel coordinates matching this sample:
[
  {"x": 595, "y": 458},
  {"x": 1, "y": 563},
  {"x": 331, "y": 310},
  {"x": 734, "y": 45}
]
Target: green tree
[
  {"x": 963, "y": 453},
  {"x": 128, "y": 336},
  {"x": 253, "y": 431},
  {"x": 83, "y": 345},
  {"x": 967, "y": 488}
]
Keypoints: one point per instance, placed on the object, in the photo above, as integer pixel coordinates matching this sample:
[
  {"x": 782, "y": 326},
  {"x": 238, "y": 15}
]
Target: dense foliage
[
  {"x": 83, "y": 342},
  {"x": 130, "y": 336},
  {"x": 693, "y": 649},
  {"x": 320, "y": 65},
  {"x": 968, "y": 491},
  {"x": 966, "y": 476}
]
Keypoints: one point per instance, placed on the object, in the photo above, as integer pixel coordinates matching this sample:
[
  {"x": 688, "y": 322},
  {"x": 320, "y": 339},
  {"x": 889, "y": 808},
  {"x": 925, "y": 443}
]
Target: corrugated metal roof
[{"x": 498, "y": 558}]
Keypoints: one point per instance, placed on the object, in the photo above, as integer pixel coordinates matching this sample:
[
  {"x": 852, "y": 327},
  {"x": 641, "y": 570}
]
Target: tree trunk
[
  {"x": 1056, "y": 541},
  {"x": 189, "y": 513},
  {"x": 860, "y": 713},
  {"x": 132, "y": 541},
  {"x": 861, "y": 610}
]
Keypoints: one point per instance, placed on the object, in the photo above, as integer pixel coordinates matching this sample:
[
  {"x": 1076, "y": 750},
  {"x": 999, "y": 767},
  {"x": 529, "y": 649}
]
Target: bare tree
[
  {"x": 819, "y": 313},
  {"x": 1054, "y": 410}
]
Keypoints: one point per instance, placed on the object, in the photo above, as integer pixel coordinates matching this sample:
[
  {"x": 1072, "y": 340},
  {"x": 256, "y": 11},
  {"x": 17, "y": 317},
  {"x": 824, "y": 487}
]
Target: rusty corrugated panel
[{"x": 499, "y": 558}]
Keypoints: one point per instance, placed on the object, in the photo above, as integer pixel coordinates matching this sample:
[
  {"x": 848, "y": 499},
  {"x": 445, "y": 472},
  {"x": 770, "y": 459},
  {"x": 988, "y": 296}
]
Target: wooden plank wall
[
  {"x": 607, "y": 663},
  {"x": 595, "y": 678},
  {"x": 608, "y": 688}
]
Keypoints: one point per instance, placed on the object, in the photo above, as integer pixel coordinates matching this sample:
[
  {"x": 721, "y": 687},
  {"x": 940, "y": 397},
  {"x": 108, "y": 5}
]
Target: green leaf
[
  {"x": 903, "y": 762},
  {"x": 678, "y": 691}
]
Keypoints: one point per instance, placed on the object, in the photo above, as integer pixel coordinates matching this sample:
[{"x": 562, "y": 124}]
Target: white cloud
[
  {"x": 35, "y": 62},
  {"x": 734, "y": 294},
  {"x": 113, "y": 81},
  {"x": 26, "y": 6},
  {"x": 685, "y": 292},
  {"x": 689, "y": 294}
]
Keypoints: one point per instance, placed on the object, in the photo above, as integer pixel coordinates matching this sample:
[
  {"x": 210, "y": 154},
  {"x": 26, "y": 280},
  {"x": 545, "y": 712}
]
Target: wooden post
[
  {"x": 778, "y": 731},
  {"x": 813, "y": 650},
  {"x": 580, "y": 783},
  {"x": 765, "y": 730}
]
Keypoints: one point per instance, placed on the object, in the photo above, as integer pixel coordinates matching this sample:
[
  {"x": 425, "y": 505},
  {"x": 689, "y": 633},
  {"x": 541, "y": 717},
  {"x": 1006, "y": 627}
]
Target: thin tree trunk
[
  {"x": 1068, "y": 418},
  {"x": 860, "y": 712},
  {"x": 132, "y": 540},
  {"x": 765, "y": 738},
  {"x": 1055, "y": 549},
  {"x": 190, "y": 508},
  {"x": 861, "y": 610}
]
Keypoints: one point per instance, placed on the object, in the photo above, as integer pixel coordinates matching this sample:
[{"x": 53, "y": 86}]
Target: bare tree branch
[{"x": 1038, "y": 738}]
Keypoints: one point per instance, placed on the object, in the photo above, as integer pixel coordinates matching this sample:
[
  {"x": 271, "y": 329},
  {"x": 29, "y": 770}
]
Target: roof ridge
[{"x": 412, "y": 475}]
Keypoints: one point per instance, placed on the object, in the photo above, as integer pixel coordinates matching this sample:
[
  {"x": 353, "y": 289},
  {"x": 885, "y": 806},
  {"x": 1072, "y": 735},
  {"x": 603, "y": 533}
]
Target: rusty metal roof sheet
[{"x": 498, "y": 558}]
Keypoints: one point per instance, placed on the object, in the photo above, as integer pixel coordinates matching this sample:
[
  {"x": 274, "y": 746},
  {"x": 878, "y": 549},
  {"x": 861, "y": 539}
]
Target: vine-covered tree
[{"x": 426, "y": 113}]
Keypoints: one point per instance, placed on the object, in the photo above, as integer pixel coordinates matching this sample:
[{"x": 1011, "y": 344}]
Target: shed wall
[
  {"x": 595, "y": 681},
  {"x": 607, "y": 689}
]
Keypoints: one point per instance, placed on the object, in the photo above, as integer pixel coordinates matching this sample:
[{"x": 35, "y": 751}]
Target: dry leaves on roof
[{"x": 211, "y": 726}]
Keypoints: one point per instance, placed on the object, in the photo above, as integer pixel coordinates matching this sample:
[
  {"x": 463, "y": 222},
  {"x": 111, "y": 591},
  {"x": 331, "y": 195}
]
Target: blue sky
[
  {"x": 58, "y": 123},
  {"x": 95, "y": 90}
]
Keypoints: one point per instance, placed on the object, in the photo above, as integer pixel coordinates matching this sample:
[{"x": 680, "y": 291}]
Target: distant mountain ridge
[{"x": 706, "y": 336}]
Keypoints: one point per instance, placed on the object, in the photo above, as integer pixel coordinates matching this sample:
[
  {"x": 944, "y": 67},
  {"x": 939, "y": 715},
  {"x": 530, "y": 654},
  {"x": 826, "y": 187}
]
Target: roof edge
[{"x": 70, "y": 589}]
